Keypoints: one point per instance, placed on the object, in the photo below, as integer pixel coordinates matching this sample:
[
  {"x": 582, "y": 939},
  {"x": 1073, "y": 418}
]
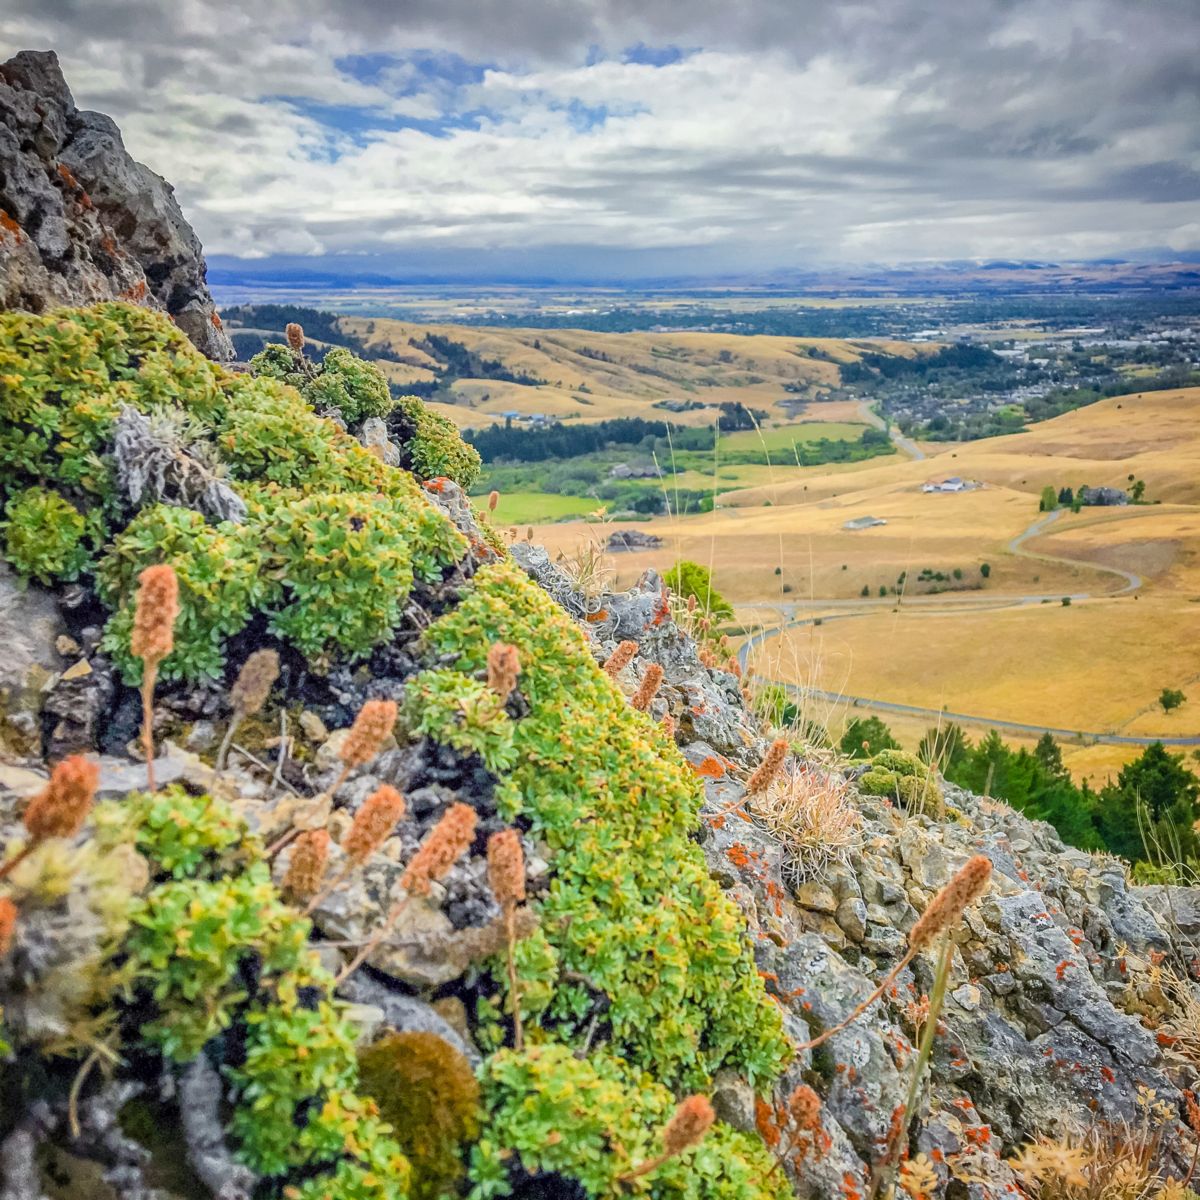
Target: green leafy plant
[
  {"x": 461, "y": 712},
  {"x": 690, "y": 579},
  {"x": 904, "y": 778},
  {"x": 45, "y": 536},
  {"x": 591, "y": 1120},
  {"x": 631, "y": 905},
  {"x": 430, "y": 444},
  {"x": 220, "y": 585}
]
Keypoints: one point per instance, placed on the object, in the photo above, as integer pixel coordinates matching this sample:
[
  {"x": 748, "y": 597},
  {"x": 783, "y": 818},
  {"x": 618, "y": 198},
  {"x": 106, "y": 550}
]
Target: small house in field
[
  {"x": 863, "y": 523},
  {"x": 953, "y": 484}
]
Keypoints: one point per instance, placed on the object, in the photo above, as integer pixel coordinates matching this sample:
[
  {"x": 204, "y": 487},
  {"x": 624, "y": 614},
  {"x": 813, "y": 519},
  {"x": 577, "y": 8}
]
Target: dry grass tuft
[
  {"x": 1105, "y": 1162},
  {"x": 812, "y": 813}
]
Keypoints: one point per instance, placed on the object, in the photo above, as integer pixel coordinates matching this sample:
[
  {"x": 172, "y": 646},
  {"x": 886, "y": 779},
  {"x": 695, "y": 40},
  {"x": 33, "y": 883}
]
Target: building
[{"x": 863, "y": 523}]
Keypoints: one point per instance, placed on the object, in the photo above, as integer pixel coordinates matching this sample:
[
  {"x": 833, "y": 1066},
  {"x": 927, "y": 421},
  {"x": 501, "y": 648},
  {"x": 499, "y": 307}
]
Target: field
[{"x": 1002, "y": 646}]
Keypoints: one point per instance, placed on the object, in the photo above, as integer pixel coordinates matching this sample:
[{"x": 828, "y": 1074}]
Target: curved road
[
  {"x": 906, "y": 444},
  {"x": 1132, "y": 582}
]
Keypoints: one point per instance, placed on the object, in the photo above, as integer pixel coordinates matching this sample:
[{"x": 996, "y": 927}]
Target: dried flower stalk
[
  {"x": 249, "y": 693},
  {"x": 371, "y": 827},
  {"x": 503, "y": 667},
  {"x": 447, "y": 842},
  {"x": 295, "y": 337},
  {"x": 61, "y": 807},
  {"x": 619, "y": 659},
  {"x": 306, "y": 869},
  {"x": 769, "y": 768},
  {"x": 651, "y": 682},
  {"x": 506, "y": 875},
  {"x": 8, "y": 924},
  {"x": 689, "y": 1123},
  {"x": 156, "y": 609}
]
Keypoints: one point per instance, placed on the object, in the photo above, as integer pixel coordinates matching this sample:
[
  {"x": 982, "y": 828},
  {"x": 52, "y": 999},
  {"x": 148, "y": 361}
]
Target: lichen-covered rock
[{"x": 80, "y": 220}]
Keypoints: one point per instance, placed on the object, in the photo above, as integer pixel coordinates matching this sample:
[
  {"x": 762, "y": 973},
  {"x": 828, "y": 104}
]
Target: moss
[
  {"x": 428, "y": 1094},
  {"x": 590, "y": 1120},
  {"x": 631, "y": 906}
]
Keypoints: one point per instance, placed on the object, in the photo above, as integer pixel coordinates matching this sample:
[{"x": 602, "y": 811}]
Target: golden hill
[{"x": 595, "y": 376}]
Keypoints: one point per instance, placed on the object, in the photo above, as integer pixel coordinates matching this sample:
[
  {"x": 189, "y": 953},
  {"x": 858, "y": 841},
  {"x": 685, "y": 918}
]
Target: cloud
[{"x": 707, "y": 135}]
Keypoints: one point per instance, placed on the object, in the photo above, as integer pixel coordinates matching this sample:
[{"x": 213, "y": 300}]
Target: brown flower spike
[
  {"x": 506, "y": 875},
  {"x": 503, "y": 667},
  {"x": 769, "y": 768},
  {"x": 306, "y": 869},
  {"x": 375, "y": 721},
  {"x": 619, "y": 659},
  {"x": 61, "y": 807},
  {"x": 450, "y": 838},
  {"x": 506, "y": 867},
  {"x": 445, "y": 845},
  {"x": 373, "y": 823},
  {"x": 295, "y": 337},
  {"x": 156, "y": 609},
  {"x": 691, "y": 1120},
  {"x": 651, "y": 682},
  {"x": 8, "y": 924},
  {"x": 249, "y": 693}
]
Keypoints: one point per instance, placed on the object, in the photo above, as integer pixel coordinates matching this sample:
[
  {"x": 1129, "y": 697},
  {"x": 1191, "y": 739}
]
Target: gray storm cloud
[{"x": 716, "y": 135}]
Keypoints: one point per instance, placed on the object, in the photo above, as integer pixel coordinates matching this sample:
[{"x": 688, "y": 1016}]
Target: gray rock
[
  {"x": 92, "y": 224},
  {"x": 851, "y": 917},
  {"x": 405, "y": 1013},
  {"x": 374, "y": 436},
  {"x": 30, "y": 626}
]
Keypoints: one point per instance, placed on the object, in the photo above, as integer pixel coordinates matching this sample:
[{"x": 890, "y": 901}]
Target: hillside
[{"x": 596, "y": 376}]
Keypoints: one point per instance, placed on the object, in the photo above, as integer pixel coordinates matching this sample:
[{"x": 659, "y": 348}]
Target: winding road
[
  {"x": 869, "y": 605},
  {"x": 906, "y": 444}
]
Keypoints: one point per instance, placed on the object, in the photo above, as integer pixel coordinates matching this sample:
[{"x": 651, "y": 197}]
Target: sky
[{"x": 577, "y": 139}]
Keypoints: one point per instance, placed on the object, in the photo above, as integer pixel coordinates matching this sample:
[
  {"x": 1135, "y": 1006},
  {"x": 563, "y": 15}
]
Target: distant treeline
[
  {"x": 512, "y": 444},
  {"x": 960, "y": 357}
]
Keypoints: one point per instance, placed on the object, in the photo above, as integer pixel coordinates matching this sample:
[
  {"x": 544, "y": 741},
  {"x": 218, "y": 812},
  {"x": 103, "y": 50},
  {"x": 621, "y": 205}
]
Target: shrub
[
  {"x": 631, "y": 903},
  {"x": 219, "y": 587},
  {"x": 427, "y": 1092},
  {"x": 687, "y": 579},
  {"x": 866, "y": 736},
  {"x": 357, "y": 389},
  {"x": 1170, "y": 698},
  {"x": 45, "y": 537},
  {"x": 430, "y": 445},
  {"x": 344, "y": 568}
]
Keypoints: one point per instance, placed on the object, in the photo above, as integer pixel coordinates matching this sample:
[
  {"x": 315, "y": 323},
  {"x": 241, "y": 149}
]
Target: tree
[
  {"x": 865, "y": 737},
  {"x": 687, "y": 578},
  {"x": 866, "y": 591},
  {"x": 1049, "y": 757},
  {"x": 1049, "y": 501},
  {"x": 1137, "y": 491},
  {"x": 1170, "y": 698},
  {"x": 985, "y": 569},
  {"x": 1066, "y": 497},
  {"x": 1148, "y": 813}
]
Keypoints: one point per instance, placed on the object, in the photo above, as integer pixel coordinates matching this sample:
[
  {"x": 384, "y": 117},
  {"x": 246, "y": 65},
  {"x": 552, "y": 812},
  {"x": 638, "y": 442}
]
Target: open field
[
  {"x": 995, "y": 650},
  {"x": 594, "y": 376}
]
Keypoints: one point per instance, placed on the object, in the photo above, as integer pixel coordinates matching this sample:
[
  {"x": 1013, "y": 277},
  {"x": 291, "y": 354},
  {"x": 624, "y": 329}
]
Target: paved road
[
  {"x": 906, "y": 444},
  {"x": 791, "y": 621}
]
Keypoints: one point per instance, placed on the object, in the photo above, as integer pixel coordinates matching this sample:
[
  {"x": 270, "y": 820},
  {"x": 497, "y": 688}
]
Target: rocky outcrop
[
  {"x": 81, "y": 221},
  {"x": 1055, "y": 1018}
]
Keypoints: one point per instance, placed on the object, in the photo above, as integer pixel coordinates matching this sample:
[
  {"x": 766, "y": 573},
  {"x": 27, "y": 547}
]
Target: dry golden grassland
[
  {"x": 595, "y": 376},
  {"x": 1096, "y": 665}
]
